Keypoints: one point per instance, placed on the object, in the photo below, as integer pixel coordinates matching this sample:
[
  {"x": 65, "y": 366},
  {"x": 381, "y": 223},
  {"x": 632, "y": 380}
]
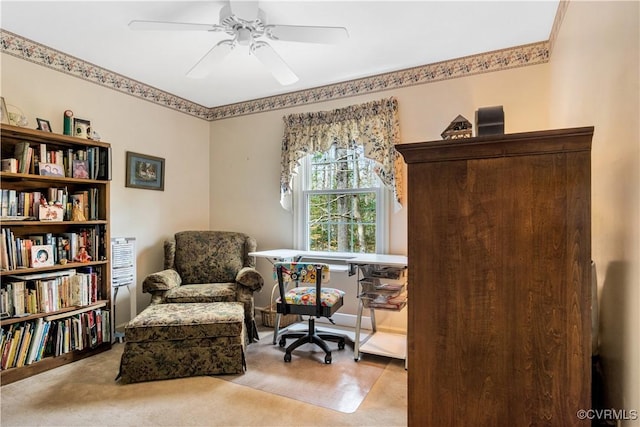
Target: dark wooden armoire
[{"x": 499, "y": 259}]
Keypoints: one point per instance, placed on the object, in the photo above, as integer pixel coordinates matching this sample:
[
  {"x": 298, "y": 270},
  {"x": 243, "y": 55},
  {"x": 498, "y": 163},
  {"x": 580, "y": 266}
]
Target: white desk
[
  {"x": 380, "y": 343},
  {"x": 386, "y": 344}
]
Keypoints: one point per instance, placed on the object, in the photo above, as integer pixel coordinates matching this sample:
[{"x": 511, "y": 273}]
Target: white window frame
[{"x": 301, "y": 212}]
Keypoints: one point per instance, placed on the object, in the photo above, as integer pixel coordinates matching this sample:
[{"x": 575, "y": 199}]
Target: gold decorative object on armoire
[{"x": 499, "y": 260}]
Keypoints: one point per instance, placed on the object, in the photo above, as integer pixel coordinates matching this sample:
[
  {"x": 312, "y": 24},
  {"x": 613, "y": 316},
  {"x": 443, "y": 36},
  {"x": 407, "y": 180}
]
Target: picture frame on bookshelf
[
  {"x": 144, "y": 171},
  {"x": 44, "y": 125},
  {"x": 81, "y": 128},
  {"x": 50, "y": 169},
  {"x": 53, "y": 212},
  {"x": 4, "y": 113},
  {"x": 81, "y": 169},
  {"x": 42, "y": 256}
]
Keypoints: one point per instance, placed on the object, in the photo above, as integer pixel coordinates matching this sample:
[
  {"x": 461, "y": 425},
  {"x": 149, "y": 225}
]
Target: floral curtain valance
[{"x": 374, "y": 125}]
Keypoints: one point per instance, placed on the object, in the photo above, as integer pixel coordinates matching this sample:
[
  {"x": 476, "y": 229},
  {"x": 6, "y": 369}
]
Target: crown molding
[
  {"x": 557, "y": 22},
  {"x": 519, "y": 56}
]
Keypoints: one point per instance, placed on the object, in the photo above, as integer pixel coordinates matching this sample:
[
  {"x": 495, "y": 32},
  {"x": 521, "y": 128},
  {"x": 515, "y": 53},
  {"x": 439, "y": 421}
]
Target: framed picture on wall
[{"x": 144, "y": 171}]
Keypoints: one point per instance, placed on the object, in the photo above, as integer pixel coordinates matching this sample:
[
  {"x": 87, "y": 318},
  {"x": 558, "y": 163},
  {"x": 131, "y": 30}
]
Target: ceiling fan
[{"x": 246, "y": 23}]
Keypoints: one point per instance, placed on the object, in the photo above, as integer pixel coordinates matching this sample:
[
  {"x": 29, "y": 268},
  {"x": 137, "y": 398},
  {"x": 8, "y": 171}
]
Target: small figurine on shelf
[
  {"x": 76, "y": 212},
  {"x": 82, "y": 255}
]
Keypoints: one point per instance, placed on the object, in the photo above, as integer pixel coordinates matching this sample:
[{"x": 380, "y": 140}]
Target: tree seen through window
[{"x": 341, "y": 195}]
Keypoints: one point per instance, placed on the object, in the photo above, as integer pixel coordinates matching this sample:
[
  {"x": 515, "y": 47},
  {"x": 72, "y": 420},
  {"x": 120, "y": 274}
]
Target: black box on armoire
[{"x": 490, "y": 121}]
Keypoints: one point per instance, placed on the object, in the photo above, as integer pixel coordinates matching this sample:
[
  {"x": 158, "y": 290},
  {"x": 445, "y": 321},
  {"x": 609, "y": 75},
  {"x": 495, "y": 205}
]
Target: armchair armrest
[
  {"x": 250, "y": 278},
  {"x": 161, "y": 281}
]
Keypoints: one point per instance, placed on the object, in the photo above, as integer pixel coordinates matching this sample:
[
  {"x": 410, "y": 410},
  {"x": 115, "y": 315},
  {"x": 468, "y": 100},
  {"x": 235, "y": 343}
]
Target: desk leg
[
  {"x": 356, "y": 344},
  {"x": 372, "y": 313}
]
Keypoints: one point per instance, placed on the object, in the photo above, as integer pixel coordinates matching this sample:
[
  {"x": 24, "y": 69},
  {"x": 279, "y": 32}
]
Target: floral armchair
[{"x": 208, "y": 266}]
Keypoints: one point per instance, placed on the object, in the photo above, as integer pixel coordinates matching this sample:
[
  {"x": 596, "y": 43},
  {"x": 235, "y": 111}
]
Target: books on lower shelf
[
  {"x": 25, "y": 343},
  {"x": 50, "y": 292}
]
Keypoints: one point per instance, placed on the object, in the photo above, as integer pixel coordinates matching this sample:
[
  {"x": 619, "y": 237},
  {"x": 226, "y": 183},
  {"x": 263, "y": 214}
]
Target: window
[{"x": 342, "y": 204}]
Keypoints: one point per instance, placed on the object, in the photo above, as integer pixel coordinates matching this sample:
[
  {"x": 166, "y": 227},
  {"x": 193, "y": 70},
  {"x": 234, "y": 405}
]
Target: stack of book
[
  {"x": 49, "y": 292},
  {"x": 385, "y": 288},
  {"x": 28, "y": 342}
]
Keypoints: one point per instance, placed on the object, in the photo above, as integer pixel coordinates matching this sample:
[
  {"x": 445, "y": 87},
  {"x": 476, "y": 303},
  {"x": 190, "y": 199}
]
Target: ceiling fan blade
[
  {"x": 208, "y": 62},
  {"x": 274, "y": 63},
  {"x": 247, "y": 10},
  {"x": 307, "y": 34},
  {"x": 172, "y": 26}
]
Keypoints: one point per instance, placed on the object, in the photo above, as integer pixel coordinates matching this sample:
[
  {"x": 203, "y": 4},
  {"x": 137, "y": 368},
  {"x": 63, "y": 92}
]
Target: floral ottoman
[{"x": 182, "y": 340}]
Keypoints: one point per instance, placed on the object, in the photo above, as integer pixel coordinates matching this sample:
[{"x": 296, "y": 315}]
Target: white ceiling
[{"x": 384, "y": 36}]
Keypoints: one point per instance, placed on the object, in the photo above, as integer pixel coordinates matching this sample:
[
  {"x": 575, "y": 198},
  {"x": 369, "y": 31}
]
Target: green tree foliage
[{"x": 342, "y": 201}]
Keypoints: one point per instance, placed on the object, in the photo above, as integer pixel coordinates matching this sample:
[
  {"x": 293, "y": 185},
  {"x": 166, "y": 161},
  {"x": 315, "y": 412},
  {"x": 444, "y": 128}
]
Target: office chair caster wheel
[
  {"x": 327, "y": 359},
  {"x": 282, "y": 342},
  {"x": 341, "y": 345},
  {"x": 287, "y": 357}
]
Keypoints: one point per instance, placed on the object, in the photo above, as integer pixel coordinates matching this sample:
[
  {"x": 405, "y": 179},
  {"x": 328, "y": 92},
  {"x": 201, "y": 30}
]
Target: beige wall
[
  {"x": 245, "y": 157},
  {"x": 594, "y": 76},
  {"x": 129, "y": 124}
]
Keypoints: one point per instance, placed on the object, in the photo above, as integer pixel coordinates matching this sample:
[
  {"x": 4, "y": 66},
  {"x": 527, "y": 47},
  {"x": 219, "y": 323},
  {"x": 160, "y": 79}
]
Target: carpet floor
[{"x": 84, "y": 393}]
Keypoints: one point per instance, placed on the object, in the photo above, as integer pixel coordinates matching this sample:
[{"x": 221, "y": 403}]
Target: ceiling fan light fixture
[
  {"x": 244, "y": 36},
  {"x": 245, "y": 22}
]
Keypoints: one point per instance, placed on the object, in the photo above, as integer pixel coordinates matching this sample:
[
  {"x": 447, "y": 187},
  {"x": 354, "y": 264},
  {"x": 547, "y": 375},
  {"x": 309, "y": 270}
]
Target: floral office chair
[{"x": 312, "y": 300}]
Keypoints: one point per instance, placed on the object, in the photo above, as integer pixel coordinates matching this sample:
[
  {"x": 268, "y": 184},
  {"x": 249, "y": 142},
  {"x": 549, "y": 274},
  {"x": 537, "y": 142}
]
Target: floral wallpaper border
[{"x": 519, "y": 56}]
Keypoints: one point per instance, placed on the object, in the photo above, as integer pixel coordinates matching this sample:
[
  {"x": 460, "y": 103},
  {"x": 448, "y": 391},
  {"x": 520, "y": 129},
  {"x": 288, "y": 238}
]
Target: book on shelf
[
  {"x": 65, "y": 345},
  {"x": 29, "y": 342},
  {"x": 23, "y": 154},
  {"x": 49, "y": 292},
  {"x": 12, "y": 203},
  {"x": 6, "y": 344},
  {"x": 104, "y": 164},
  {"x": 99, "y": 332},
  {"x": 24, "y": 345},
  {"x": 42, "y": 153},
  {"x": 15, "y": 342},
  {"x": 10, "y": 165},
  {"x": 36, "y": 339},
  {"x": 16, "y": 252},
  {"x": 4, "y": 203},
  {"x": 44, "y": 340},
  {"x": 4, "y": 255}
]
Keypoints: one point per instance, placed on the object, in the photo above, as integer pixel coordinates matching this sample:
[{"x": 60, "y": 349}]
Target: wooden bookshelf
[{"x": 14, "y": 227}]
